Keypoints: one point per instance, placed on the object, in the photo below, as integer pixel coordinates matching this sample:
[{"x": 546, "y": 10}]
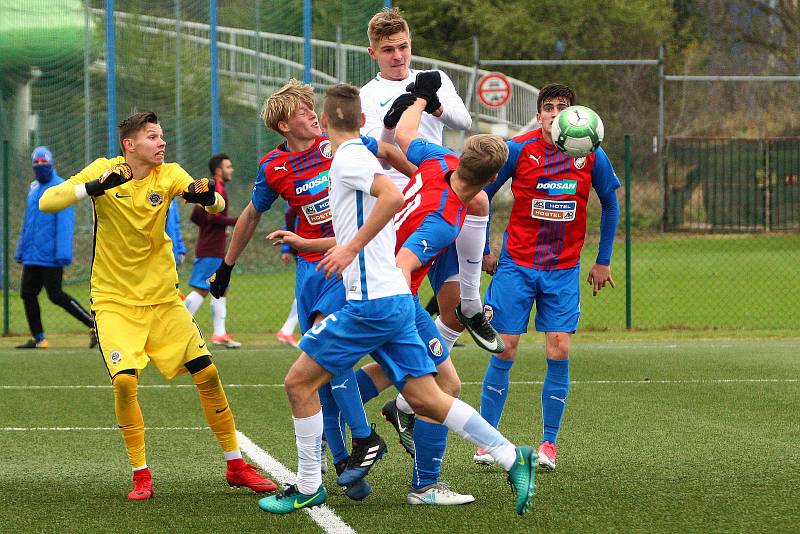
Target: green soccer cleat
[
  {"x": 522, "y": 478},
  {"x": 291, "y": 500}
]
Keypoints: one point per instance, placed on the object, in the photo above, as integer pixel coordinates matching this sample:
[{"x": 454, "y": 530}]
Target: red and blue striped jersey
[
  {"x": 302, "y": 179},
  {"x": 432, "y": 215},
  {"x": 547, "y": 226}
]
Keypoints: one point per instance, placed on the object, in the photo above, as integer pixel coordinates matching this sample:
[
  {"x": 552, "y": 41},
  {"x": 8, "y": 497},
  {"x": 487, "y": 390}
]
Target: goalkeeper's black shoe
[
  {"x": 358, "y": 490},
  {"x": 482, "y": 331},
  {"x": 365, "y": 452}
]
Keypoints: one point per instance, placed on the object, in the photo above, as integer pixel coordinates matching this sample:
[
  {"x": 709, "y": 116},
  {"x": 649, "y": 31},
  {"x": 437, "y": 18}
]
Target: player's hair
[
  {"x": 482, "y": 158},
  {"x": 282, "y": 104},
  {"x": 216, "y": 162},
  {"x": 386, "y": 23},
  {"x": 342, "y": 107},
  {"x": 555, "y": 90},
  {"x": 133, "y": 124}
]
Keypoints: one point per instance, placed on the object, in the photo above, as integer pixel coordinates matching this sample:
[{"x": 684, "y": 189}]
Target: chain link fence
[{"x": 54, "y": 93}]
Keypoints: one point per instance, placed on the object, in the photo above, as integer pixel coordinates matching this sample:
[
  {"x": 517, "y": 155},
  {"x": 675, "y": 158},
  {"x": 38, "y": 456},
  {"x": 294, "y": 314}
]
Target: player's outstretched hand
[
  {"x": 490, "y": 264},
  {"x": 598, "y": 276},
  {"x": 285, "y": 237},
  {"x": 425, "y": 86},
  {"x": 115, "y": 176},
  {"x": 400, "y": 104},
  {"x": 336, "y": 260},
  {"x": 201, "y": 191},
  {"x": 220, "y": 279}
]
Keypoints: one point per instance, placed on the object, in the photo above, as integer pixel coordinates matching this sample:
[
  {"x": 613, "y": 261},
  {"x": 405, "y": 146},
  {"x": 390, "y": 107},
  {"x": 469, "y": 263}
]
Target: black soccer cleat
[
  {"x": 482, "y": 331},
  {"x": 365, "y": 452},
  {"x": 403, "y": 423},
  {"x": 359, "y": 490}
]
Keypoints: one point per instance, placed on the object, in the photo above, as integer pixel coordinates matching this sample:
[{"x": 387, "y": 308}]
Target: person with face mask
[{"x": 44, "y": 248}]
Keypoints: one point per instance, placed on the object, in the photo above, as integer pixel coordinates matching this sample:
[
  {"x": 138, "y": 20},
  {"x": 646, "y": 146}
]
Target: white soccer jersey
[
  {"x": 373, "y": 273},
  {"x": 377, "y": 97}
]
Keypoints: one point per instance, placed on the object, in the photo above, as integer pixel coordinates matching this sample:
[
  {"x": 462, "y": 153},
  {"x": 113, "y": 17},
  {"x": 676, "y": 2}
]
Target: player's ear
[
  {"x": 283, "y": 127},
  {"x": 371, "y": 52},
  {"x": 363, "y": 121},
  {"x": 323, "y": 120},
  {"x": 128, "y": 145}
]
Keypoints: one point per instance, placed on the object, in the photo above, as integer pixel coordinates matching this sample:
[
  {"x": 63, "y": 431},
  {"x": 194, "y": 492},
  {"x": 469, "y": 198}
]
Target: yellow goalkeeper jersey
[{"x": 133, "y": 261}]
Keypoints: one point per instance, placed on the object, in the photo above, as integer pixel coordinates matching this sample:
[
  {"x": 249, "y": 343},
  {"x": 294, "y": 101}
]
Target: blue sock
[
  {"x": 430, "y": 442},
  {"x": 554, "y": 397},
  {"x": 366, "y": 386},
  {"x": 495, "y": 389},
  {"x": 333, "y": 425},
  {"x": 38, "y": 337},
  {"x": 344, "y": 388}
]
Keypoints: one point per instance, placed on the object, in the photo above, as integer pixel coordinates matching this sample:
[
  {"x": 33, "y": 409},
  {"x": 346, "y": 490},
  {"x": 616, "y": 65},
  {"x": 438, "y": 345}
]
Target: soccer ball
[{"x": 577, "y": 131}]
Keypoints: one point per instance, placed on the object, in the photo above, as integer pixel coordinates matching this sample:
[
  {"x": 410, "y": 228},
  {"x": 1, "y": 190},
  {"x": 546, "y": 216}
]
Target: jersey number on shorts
[{"x": 320, "y": 326}]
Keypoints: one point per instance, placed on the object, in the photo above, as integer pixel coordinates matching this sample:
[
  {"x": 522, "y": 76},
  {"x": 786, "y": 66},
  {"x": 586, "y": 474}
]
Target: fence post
[
  {"x": 767, "y": 185},
  {"x": 628, "y": 303},
  {"x": 6, "y": 237}
]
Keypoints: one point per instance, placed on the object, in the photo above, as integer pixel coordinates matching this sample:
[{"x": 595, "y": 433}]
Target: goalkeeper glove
[
  {"x": 400, "y": 104},
  {"x": 115, "y": 176},
  {"x": 219, "y": 280},
  {"x": 201, "y": 191},
  {"x": 425, "y": 86}
]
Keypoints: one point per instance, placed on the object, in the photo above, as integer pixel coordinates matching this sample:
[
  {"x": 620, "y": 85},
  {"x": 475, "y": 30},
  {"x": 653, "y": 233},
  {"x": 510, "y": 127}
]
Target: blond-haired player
[{"x": 139, "y": 315}]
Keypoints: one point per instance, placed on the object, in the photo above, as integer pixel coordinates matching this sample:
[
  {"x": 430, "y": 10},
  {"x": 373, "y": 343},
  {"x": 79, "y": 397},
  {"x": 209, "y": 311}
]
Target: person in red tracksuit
[{"x": 210, "y": 251}]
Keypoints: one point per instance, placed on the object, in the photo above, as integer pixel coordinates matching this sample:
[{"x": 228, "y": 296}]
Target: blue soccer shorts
[
  {"x": 430, "y": 335},
  {"x": 202, "y": 270},
  {"x": 444, "y": 269},
  {"x": 514, "y": 289},
  {"x": 315, "y": 294},
  {"x": 383, "y": 327}
]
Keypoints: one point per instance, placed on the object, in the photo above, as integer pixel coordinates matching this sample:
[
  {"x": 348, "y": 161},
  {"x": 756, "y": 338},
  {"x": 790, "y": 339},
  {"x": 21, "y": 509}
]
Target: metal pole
[
  {"x": 661, "y": 160},
  {"x": 387, "y": 3},
  {"x": 307, "y": 38},
  {"x": 215, "y": 128},
  {"x": 111, "y": 81},
  {"x": 87, "y": 93},
  {"x": 259, "y": 134},
  {"x": 178, "y": 88},
  {"x": 340, "y": 75},
  {"x": 628, "y": 299},
  {"x": 6, "y": 237}
]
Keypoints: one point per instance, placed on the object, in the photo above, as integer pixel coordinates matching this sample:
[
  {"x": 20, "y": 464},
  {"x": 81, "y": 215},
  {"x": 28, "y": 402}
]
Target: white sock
[
  {"x": 193, "y": 302},
  {"x": 139, "y": 468},
  {"x": 402, "y": 404},
  {"x": 308, "y": 436},
  {"x": 219, "y": 309},
  {"x": 232, "y": 455},
  {"x": 450, "y": 336},
  {"x": 469, "y": 244},
  {"x": 291, "y": 321},
  {"x": 468, "y": 423}
]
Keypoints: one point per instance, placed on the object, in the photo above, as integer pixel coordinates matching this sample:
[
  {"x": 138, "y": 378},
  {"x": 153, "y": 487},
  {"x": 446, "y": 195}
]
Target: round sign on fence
[{"x": 494, "y": 90}]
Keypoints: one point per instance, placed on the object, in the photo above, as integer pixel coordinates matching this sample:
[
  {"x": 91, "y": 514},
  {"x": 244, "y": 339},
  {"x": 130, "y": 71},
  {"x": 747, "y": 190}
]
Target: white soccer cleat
[
  {"x": 546, "y": 456},
  {"x": 439, "y": 495},
  {"x": 482, "y": 457},
  {"x": 226, "y": 341}
]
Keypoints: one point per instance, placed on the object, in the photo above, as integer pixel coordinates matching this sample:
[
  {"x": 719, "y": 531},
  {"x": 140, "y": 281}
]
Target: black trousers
[{"x": 34, "y": 278}]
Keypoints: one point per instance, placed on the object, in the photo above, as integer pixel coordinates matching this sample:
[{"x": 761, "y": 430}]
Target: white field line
[
  {"x": 523, "y": 382},
  {"x": 325, "y": 517}
]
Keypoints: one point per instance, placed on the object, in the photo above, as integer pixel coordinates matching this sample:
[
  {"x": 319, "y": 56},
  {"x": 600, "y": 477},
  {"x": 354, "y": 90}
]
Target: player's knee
[
  {"x": 479, "y": 205},
  {"x": 295, "y": 386},
  {"x": 558, "y": 346},
  {"x": 450, "y": 384},
  {"x": 125, "y": 384},
  {"x": 28, "y": 295}
]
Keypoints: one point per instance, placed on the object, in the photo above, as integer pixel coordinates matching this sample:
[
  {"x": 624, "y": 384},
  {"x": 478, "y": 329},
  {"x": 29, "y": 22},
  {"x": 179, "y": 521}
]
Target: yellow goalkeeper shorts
[{"x": 131, "y": 336}]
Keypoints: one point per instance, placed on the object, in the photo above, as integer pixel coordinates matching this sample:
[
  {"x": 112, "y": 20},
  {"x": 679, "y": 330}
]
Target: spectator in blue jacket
[
  {"x": 44, "y": 248},
  {"x": 174, "y": 232}
]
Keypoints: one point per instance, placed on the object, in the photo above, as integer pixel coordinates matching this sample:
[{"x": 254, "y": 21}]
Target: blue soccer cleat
[
  {"x": 365, "y": 452},
  {"x": 359, "y": 490}
]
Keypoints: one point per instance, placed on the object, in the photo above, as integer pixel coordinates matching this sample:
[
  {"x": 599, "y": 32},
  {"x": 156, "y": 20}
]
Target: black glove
[
  {"x": 117, "y": 175},
  {"x": 219, "y": 280},
  {"x": 400, "y": 104},
  {"x": 201, "y": 191},
  {"x": 425, "y": 86}
]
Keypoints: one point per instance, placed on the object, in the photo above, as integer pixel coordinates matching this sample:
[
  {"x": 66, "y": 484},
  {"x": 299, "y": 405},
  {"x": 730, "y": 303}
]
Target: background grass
[{"x": 663, "y": 433}]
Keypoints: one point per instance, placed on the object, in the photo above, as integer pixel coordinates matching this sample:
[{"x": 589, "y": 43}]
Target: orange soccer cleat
[
  {"x": 142, "y": 485},
  {"x": 243, "y": 475},
  {"x": 287, "y": 339}
]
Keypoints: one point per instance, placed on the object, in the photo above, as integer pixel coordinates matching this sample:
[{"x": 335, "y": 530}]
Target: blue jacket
[{"x": 45, "y": 238}]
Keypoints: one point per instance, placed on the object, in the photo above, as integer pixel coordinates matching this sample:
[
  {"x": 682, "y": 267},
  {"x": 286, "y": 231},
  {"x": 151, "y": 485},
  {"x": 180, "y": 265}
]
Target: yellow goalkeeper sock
[
  {"x": 215, "y": 406},
  {"x": 129, "y": 417}
]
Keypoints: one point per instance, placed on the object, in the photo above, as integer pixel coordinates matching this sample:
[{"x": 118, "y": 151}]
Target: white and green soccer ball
[{"x": 577, "y": 131}]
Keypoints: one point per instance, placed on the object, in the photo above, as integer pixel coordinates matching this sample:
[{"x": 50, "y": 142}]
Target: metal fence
[{"x": 732, "y": 185}]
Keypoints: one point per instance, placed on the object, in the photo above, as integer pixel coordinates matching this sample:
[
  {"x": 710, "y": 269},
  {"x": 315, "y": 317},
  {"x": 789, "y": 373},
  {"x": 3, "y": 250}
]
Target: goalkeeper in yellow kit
[{"x": 134, "y": 288}]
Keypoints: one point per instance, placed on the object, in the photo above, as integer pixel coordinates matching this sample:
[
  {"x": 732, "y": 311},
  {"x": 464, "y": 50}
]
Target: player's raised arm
[
  {"x": 408, "y": 125},
  {"x": 203, "y": 191},
  {"x": 97, "y": 178},
  {"x": 242, "y": 234}
]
